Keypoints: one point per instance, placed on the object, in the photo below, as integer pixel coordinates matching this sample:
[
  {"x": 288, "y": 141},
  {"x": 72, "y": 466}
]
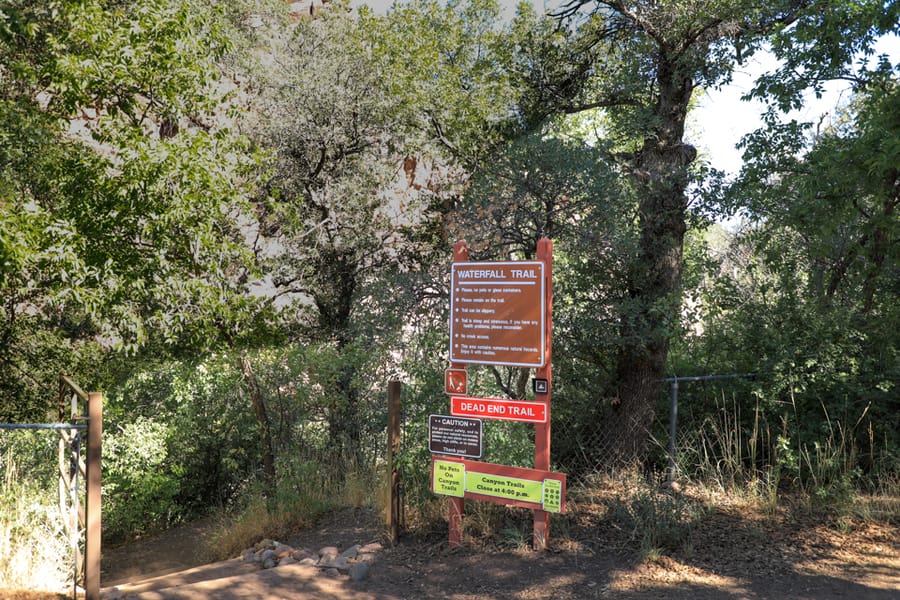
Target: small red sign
[
  {"x": 496, "y": 408},
  {"x": 455, "y": 381}
]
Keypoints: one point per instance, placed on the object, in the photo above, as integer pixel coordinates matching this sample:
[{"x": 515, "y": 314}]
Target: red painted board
[{"x": 499, "y": 409}]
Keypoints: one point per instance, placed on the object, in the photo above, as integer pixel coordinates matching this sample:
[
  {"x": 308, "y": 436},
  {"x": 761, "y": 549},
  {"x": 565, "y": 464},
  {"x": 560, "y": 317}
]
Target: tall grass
[
  {"x": 756, "y": 459},
  {"x": 34, "y": 549},
  {"x": 306, "y": 489}
]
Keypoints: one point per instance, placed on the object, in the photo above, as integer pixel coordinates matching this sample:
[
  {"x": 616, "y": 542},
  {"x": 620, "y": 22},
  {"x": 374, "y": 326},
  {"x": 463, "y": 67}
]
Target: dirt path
[
  {"x": 731, "y": 554},
  {"x": 173, "y": 550}
]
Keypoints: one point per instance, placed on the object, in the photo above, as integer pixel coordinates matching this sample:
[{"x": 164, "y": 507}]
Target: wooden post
[
  {"x": 456, "y": 507},
  {"x": 542, "y": 430},
  {"x": 92, "y": 514},
  {"x": 392, "y": 450}
]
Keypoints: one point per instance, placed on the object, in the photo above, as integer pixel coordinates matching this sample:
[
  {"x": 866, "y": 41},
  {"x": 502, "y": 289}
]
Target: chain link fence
[{"x": 714, "y": 428}]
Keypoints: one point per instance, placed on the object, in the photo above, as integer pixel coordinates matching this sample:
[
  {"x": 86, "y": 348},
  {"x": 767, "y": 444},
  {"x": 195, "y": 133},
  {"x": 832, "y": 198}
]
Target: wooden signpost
[{"x": 501, "y": 314}]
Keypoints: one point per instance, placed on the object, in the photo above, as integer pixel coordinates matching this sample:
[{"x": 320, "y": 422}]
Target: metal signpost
[{"x": 500, "y": 314}]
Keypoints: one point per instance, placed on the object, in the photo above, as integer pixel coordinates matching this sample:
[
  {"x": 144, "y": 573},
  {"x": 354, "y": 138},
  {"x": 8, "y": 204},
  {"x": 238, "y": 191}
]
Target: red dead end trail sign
[{"x": 497, "y": 408}]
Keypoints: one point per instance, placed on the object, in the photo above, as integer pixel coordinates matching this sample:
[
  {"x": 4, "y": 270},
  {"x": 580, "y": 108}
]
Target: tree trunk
[
  {"x": 660, "y": 173},
  {"x": 262, "y": 419},
  {"x": 337, "y": 281}
]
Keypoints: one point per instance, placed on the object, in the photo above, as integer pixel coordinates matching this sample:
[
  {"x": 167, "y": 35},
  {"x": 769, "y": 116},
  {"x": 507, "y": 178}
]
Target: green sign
[
  {"x": 449, "y": 478},
  {"x": 504, "y": 487},
  {"x": 552, "y": 495}
]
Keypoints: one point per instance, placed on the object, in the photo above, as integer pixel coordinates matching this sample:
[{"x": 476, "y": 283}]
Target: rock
[
  {"x": 329, "y": 552},
  {"x": 672, "y": 487},
  {"x": 332, "y": 573},
  {"x": 308, "y": 561},
  {"x": 359, "y": 571},
  {"x": 283, "y": 550},
  {"x": 302, "y": 553},
  {"x": 365, "y": 557},
  {"x": 287, "y": 560},
  {"x": 267, "y": 555},
  {"x": 371, "y": 548},
  {"x": 269, "y": 563},
  {"x": 337, "y": 562},
  {"x": 350, "y": 552}
]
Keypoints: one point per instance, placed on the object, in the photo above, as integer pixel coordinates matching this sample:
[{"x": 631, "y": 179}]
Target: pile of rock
[{"x": 354, "y": 561}]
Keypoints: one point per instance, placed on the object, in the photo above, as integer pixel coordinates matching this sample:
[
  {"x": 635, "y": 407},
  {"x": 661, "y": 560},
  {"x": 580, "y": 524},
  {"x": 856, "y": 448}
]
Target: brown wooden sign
[{"x": 497, "y": 312}]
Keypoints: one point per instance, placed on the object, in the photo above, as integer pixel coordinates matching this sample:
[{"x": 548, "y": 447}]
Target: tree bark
[
  {"x": 262, "y": 419},
  {"x": 660, "y": 174}
]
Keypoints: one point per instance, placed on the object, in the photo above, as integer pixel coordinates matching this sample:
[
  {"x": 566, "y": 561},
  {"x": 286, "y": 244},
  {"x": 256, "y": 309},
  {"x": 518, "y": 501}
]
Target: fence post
[
  {"x": 393, "y": 441},
  {"x": 673, "y": 417},
  {"x": 92, "y": 494}
]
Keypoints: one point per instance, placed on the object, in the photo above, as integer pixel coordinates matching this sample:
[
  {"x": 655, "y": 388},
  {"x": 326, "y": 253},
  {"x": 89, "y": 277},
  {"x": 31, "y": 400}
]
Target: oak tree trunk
[{"x": 660, "y": 174}]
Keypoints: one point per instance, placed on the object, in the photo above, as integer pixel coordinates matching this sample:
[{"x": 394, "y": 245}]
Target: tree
[
  {"x": 641, "y": 63},
  {"x": 120, "y": 197},
  {"x": 824, "y": 203},
  {"x": 354, "y": 109}
]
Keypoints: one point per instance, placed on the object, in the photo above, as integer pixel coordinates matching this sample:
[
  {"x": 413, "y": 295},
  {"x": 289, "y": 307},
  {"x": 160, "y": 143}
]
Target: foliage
[
  {"x": 140, "y": 484},
  {"x": 248, "y": 298},
  {"x": 119, "y": 204}
]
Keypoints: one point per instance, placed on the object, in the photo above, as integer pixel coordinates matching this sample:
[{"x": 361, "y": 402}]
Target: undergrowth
[
  {"x": 33, "y": 546},
  {"x": 298, "y": 500}
]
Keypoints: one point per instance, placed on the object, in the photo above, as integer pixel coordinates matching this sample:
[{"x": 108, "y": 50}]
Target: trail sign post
[{"x": 501, "y": 314}]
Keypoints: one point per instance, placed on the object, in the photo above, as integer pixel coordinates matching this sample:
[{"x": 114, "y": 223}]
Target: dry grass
[
  {"x": 20, "y": 595},
  {"x": 34, "y": 549}
]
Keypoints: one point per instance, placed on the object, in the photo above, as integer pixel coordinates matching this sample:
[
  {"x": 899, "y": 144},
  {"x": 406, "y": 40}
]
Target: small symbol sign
[
  {"x": 455, "y": 381},
  {"x": 552, "y": 501},
  {"x": 540, "y": 386}
]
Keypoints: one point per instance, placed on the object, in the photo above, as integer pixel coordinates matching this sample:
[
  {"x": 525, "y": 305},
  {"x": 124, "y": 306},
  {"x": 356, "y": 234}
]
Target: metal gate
[{"x": 84, "y": 428}]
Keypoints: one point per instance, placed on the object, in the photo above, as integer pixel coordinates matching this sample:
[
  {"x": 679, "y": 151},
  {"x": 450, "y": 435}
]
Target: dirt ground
[{"x": 734, "y": 551}]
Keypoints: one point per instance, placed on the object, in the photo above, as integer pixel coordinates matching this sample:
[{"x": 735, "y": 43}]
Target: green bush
[
  {"x": 140, "y": 482},
  {"x": 35, "y": 550}
]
